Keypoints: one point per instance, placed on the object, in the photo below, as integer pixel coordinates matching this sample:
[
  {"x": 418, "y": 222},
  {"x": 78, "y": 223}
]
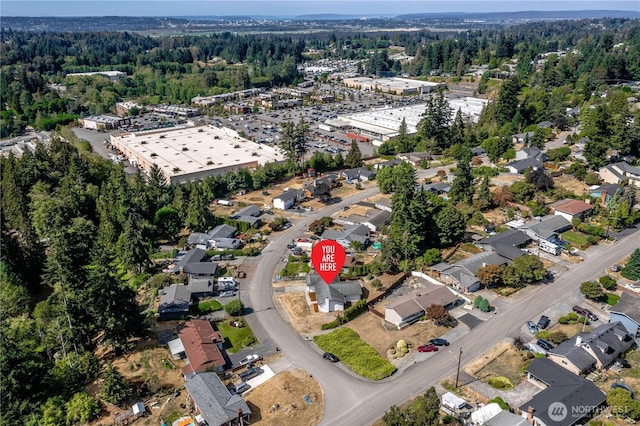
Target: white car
[{"x": 249, "y": 359}]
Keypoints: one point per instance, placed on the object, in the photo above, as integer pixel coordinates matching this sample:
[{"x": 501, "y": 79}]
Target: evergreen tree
[
  {"x": 435, "y": 124},
  {"x": 197, "y": 217},
  {"x": 354, "y": 156},
  {"x": 507, "y": 103},
  {"x": 133, "y": 245},
  {"x": 114, "y": 387},
  {"x": 450, "y": 224},
  {"x": 294, "y": 142},
  {"x": 403, "y": 141},
  {"x": 484, "y": 195},
  {"x": 462, "y": 187},
  {"x": 631, "y": 270}
]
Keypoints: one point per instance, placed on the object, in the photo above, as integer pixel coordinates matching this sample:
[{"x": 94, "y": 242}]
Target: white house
[
  {"x": 335, "y": 296},
  {"x": 618, "y": 172},
  {"x": 287, "y": 199}
]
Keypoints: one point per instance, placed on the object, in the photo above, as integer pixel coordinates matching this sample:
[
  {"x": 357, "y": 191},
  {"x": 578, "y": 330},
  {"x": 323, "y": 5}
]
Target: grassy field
[
  {"x": 610, "y": 298},
  {"x": 235, "y": 338},
  {"x": 353, "y": 352}
]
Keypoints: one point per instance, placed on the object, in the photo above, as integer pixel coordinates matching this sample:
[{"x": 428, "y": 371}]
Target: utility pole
[{"x": 458, "y": 370}]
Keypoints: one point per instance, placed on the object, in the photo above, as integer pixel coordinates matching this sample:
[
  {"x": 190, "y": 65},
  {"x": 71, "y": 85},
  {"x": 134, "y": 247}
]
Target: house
[
  {"x": 409, "y": 308},
  {"x": 478, "y": 151},
  {"x": 359, "y": 174},
  {"x": 620, "y": 172},
  {"x": 597, "y": 349},
  {"x": 462, "y": 275},
  {"x": 578, "y": 396},
  {"x": 438, "y": 188},
  {"x": 521, "y": 166},
  {"x": 222, "y": 231},
  {"x": 505, "y": 243},
  {"x": 208, "y": 241},
  {"x": 287, "y": 199},
  {"x": 505, "y": 418},
  {"x": 250, "y": 210},
  {"x": 627, "y": 311},
  {"x": 349, "y": 233},
  {"x": 415, "y": 158},
  {"x": 200, "y": 287},
  {"x": 321, "y": 187},
  {"x": 377, "y": 219},
  {"x": 606, "y": 192},
  {"x": 522, "y": 137},
  {"x": 384, "y": 203},
  {"x": 388, "y": 163},
  {"x": 227, "y": 243},
  {"x": 546, "y": 228},
  {"x": 216, "y": 405},
  {"x": 335, "y": 296},
  {"x": 253, "y": 221},
  {"x": 204, "y": 347},
  {"x": 532, "y": 153},
  {"x": 572, "y": 209},
  {"x": 175, "y": 301}
]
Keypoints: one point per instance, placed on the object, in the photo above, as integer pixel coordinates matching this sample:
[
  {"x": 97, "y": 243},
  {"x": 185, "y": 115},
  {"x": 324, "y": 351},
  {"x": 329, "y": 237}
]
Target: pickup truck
[{"x": 250, "y": 359}]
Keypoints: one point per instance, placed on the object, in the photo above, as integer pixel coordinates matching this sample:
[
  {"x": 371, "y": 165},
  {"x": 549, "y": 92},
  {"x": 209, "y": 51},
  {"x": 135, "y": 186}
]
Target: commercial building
[
  {"x": 394, "y": 85},
  {"x": 112, "y": 75},
  {"x": 193, "y": 153},
  {"x": 382, "y": 124},
  {"x": 103, "y": 122}
]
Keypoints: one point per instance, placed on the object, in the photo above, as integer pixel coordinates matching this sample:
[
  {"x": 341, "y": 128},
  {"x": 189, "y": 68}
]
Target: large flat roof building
[
  {"x": 395, "y": 85},
  {"x": 384, "y": 123},
  {"x": 193, "y": 153},
  {"x": 112, "y": 75}
]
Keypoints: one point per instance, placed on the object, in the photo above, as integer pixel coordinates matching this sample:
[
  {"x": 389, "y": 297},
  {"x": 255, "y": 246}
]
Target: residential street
[{"x": 350, "y": 400}]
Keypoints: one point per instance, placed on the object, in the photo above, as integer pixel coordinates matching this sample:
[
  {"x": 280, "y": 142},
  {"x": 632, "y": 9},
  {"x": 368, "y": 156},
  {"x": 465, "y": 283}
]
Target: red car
[{"x": 428, "y": 348}]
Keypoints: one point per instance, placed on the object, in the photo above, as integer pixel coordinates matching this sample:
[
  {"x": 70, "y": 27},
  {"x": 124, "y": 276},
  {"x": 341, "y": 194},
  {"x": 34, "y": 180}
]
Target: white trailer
[
  {"x": 326, "y": 127},
  {"x": 549, "y": 247},
  {"x": 225, "y": 202}
]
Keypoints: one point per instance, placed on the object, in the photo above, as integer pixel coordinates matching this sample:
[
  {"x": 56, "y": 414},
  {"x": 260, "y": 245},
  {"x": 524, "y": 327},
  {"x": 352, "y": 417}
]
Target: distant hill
[{"x": 532, "y": 14}]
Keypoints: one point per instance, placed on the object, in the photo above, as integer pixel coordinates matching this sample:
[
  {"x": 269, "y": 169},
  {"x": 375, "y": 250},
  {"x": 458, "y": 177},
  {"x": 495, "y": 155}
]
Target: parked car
[
  {"x": 543, "y": 322},
  {"x": 533, "y": 328},
  {"x": 329, "y": 356},
  {"x": 227, "y": 293},
  {"x": 240, "y": 388},
  {"x": 249, "y": 359},
  {"x": 439, "y": 342},
  {"x": 615, "y": 268},
  {"x": 585, "y": 313},
  {"x": 428, "y": 348},
  {"x": 250, "y": 373},
  {"x": 544, "y": 344}
]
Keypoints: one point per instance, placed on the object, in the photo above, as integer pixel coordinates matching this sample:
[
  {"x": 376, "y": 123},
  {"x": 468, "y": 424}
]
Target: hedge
[
  {"x": 350, "y": 313},
  {"x": 355, "y": 353}
]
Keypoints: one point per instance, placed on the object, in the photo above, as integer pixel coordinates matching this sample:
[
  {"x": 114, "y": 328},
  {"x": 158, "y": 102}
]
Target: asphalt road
[{"x": 351, "y": 400}]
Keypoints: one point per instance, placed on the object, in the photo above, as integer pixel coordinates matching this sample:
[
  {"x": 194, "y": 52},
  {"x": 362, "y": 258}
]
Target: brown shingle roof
[
  {"x": 572, "y": 207},
  {"x": 200, "y": 345}
]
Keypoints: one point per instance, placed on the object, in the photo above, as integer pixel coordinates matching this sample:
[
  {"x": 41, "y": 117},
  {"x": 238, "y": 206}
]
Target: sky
[{"x": 290, "y": 8}]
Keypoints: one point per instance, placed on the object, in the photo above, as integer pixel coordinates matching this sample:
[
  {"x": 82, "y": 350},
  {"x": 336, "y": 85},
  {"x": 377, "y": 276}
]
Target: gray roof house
[
  {"x": 605, "y": 192},
  {"x": 462, "y": 275},
  {"x": 250, "y": 210},
  {"x": 597, "y": 349},
  {"x": 335, "y": 296},
  {"x": 287, "y": 199},
  {"x": 216, "y": 405},
  {"x": 409, "y": 308},
  {"x": 349, "y": 233},
  {"x": 358, "y": 174},
  {"x": 521, "y": 137},
  {"x": 521, "y": 166},
  {"x": 546, "y": 227},
  {"x": 437, "y": 188},
  {"x": 618, "y": 172},
  {"x": 627, "y": 311},
  {"x": 505, "y": 243},
  {"x": 388, "y": 163},
  {"x": 200, "y": 287},
  {"x": 222, "y": 231},
  {"x": 174, "y": 301},
  {"x": 531, "y": 152},
  {"x": 579, "y": 396},
  {"x": 193, "y": 263},
  {"x": 251, "y": 220}
]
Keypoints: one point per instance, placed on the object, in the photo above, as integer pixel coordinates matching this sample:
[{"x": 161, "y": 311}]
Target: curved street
[{"x": 349, "y": 400}]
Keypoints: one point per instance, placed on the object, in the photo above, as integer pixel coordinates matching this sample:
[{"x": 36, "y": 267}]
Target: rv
[{"x": 550, "y": 247}]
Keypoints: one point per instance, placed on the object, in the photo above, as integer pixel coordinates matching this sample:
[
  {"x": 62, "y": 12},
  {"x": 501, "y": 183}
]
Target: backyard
[{"x": 503, "y": 361}]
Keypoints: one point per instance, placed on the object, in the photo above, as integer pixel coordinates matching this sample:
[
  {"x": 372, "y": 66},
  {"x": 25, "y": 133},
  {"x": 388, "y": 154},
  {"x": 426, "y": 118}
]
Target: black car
[
  {"x": 439, "y": 342},
  {"x": 543, "y": 322},
  {"x": 544, "y": 344},
  {"x": 331, "y": 357}
]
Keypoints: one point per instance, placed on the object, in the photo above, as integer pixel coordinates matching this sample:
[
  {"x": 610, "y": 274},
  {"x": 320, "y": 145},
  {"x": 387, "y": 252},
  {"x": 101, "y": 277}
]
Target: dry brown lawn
[
  {"x": 570, "y": 183},
  {"x": 381, "y": 335},
  {"x": 299, "y": 313},
  {"x": 503, "y": 360},
  {"x": 279, "y": 401}
]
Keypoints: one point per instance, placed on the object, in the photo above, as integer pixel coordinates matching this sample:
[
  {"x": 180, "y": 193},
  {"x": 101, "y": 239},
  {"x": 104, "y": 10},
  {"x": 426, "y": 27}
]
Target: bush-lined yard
[
  {"x": 575, "y": 238},
  {"x": 347, "y": 345}
]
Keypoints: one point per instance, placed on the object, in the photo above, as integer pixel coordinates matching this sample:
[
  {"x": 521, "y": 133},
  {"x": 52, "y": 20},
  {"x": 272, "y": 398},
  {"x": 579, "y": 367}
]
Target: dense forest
[{"x": 78, "y": 234}]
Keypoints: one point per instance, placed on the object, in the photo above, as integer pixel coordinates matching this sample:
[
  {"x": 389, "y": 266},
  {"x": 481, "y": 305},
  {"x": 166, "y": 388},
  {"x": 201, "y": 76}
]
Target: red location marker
[{"x": 328, "y": 258}]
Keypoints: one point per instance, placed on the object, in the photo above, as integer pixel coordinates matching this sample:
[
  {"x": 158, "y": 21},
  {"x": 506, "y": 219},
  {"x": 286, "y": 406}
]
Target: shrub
[
  {"x": 478, "y": 300},
  {"x": 234, "y": 308},
  {"x": 354, "y": 310},
  {"x": 484, "y": 305},
  {"x": 607, "y": 282},
  {"x": 500, "y": 402}
]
